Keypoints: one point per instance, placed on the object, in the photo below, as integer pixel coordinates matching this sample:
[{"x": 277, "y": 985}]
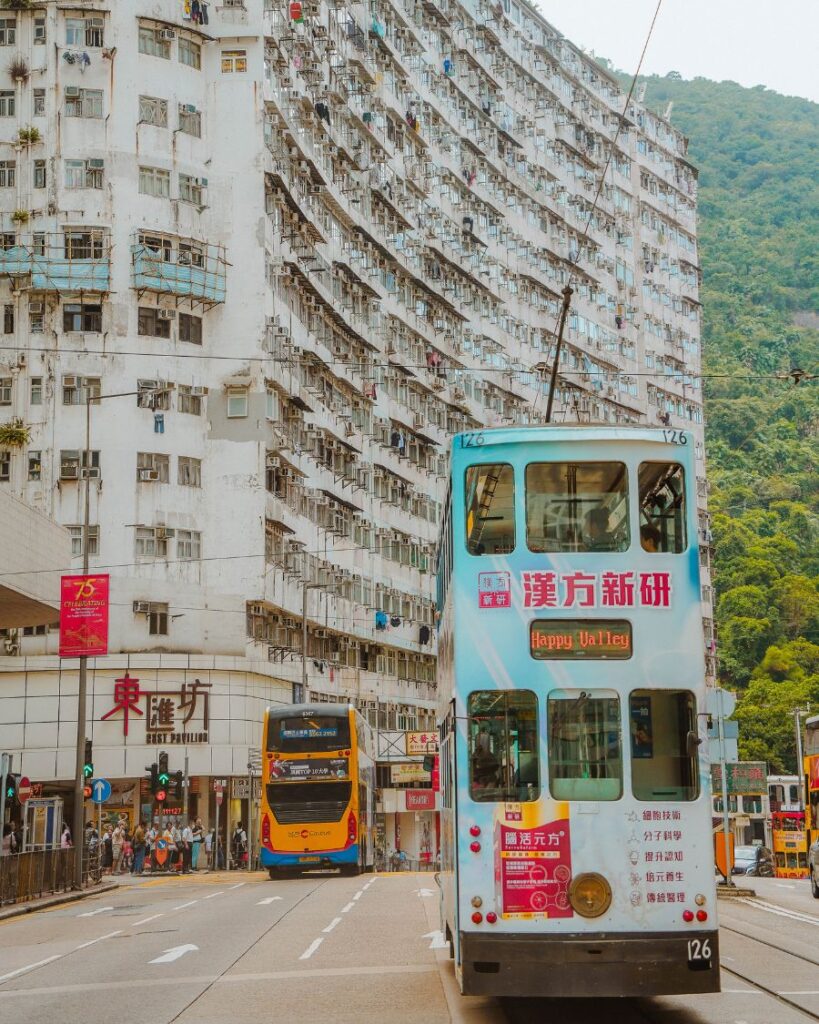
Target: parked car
[
  {"x": 753, "y": 860},
  {"x": 813, "y": 867}
]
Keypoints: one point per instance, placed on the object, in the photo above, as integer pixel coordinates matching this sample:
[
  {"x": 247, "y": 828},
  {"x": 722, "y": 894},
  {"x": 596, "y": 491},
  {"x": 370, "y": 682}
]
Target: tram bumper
[{"x": 623, "y": 964}]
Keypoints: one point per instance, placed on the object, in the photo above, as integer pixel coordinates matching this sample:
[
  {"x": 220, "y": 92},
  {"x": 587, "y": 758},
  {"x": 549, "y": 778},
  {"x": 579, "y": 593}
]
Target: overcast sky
[{"x": 753, "y": 42}]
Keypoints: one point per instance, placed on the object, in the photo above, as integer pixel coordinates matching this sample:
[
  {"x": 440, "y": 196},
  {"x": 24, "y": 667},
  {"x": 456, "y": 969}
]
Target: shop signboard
[
  {"x": 420, "y": 799},
  {"x": 403, "y": 773},
  {"x": 83, "y": 616},
  {"x": 422, "y": 743},
  {"x": 742, "y": 777}
]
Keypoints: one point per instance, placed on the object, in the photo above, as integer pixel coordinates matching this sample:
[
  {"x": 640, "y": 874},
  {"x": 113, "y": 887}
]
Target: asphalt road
[{"x": 226, "y": 947}]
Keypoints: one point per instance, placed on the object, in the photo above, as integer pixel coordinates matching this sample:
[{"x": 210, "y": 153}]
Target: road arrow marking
[
  {"x": 93, "y": 913},
  {"x": 423, "y": 893},
  {"x": 438, "y": 940},
  {"x": 268, "y": 900},
  {"x": 169, "y": 955}
]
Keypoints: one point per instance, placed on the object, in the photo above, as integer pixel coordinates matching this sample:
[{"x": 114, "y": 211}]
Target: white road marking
[
  {"x": 783, "y": 885},
  {"x": 802, "y": 992},
  {"x": 359, "y": 894},
  {"x": 348, "y": 907},
  {"x": 237, "y": 886},
  {"x": 438, "y": 940},
  {"x": 268, "y": 900},
  {"x": 771, "y": 909},
  {"x": 219, "y": 893},
  {"x": 423, "y": 893},
  {"x": 145, "y": 920},
  {"x": 29, "y": 967},
  {"x": 730, "y": 959},
  {"x": 314, "y": 945},
  {"x": 332, "y": 924},
  {"x": 110, "y": 935},
  {"x": 169, "y": 955},
  {"x": 741, "y": 992},
  {"x": 93, "y": 913},
  {"x": 183, "y": 905}
]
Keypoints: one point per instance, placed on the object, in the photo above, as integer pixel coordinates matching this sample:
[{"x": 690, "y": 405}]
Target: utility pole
[
  {"x": 800, "y": 768},
  {"x": 185, "y": 788},
  {"x": 6, "y": 761}
]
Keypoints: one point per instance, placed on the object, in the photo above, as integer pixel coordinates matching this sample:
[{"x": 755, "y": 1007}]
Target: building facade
[{"x": 294, "y": 246}]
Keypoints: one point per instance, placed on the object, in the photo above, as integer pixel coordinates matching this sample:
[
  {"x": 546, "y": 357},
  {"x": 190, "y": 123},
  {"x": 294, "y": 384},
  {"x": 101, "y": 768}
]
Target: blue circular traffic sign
[{"x": 100, "y": 790}]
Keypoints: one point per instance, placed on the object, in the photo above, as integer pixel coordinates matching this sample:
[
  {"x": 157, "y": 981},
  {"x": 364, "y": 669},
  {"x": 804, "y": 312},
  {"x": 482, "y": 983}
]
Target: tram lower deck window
[
  {"x": 664, "y": 758},
  {"x": 585, "y": 749},
  {"x": 503, "y": 746}
]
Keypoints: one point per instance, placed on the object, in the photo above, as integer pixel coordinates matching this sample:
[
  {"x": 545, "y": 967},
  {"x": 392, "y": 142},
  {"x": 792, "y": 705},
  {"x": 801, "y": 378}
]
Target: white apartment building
[{"x": 295, "y": 246}]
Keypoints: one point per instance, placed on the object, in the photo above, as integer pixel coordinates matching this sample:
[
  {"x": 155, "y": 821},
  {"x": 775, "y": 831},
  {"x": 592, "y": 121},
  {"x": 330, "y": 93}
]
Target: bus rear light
[
  {"x": 702, "y": 915},
  {"x": 352, "y": 829},
  {"x": 477, "y": 917},
  {"x": 688, "y": 915},
  {"x": 266, "y": 831},
  {"x": 491, "y": 917},
  {"x": 475, "y": 830},
  {"x": 475, "y": 847}
]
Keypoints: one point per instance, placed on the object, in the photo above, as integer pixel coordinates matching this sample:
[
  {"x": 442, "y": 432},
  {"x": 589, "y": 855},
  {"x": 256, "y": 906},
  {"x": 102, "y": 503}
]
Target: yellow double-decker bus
[{"x": 318, "y": 789}]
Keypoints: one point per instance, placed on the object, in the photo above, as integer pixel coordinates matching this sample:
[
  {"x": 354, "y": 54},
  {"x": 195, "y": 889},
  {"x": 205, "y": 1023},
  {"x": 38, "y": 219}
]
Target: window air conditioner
[
  {"x": 289, "y": 623},
  {"x": 166, "y": 314},
  {"x": 142, "y": 607},
  {"x": 256, "y": 609},
  {"x": 69, "y": 382},
  {"x": 91, "y": 472},
  {"x": 72, "y": 91},
  {"x": 166, "y": 33},
  {"x": 69, "y": 472},
  {"x": 163, "y": 533},
  {"x": 188, "y": 108},
  {"x": 96, "y": 165},
  {"x": 199, "y": 392},
  {"x": 273, "y": 461},
  {"x": 36, "y": 307},
  {"x": 148, "y": 475}
]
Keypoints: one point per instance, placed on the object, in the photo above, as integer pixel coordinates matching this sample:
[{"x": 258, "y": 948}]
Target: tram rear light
[
  {"x": 352, "y": 829},
  {"x": 699, "y": 899},
  {"x": 476, "y": 902},
  {"x": 477, "y": 917},
  {"x": 475, "y": 847},
  {"x": 590, "y": 894},
  {"x": 475, "y": 830},
  {"x": 688, "y": 915},
  {"x": 491, "y": 917},
  {"x": 702, "y": 915}
]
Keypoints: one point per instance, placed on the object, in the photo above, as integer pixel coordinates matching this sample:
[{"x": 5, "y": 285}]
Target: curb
[
  {"x": 728, "y": 892},
  {"x": 32, "y": 906}
]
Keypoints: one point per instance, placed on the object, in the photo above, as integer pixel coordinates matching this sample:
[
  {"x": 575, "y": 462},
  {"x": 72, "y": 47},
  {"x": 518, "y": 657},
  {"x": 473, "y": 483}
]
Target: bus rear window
[
  {"x": 311, "y": 735},
  {"x": 585, "y": 757},
  {"x": 577, "y": 506},
  {"x": 662, "y": 507},
  {"x": 490, "y": 509},
  {"x": 664, "y": 750},
  {"x": 503, "y": 746}
]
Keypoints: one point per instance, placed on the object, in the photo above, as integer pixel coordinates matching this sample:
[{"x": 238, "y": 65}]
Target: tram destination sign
[{"x": 577, "y": 639}]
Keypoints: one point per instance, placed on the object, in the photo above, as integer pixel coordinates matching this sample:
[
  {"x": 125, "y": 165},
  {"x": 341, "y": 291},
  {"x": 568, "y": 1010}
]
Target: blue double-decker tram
[{"x": 577, "y": 853}]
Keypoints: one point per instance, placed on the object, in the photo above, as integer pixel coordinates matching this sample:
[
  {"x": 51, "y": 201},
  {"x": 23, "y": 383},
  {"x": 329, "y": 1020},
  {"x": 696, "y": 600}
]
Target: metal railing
[{"x": 26, "y": 876}]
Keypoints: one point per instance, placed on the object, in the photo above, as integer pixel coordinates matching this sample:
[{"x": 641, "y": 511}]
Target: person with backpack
[{"x": 238, "y": 845}]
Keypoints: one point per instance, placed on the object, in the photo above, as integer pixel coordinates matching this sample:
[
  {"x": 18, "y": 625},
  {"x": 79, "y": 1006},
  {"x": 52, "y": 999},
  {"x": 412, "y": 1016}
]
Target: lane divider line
[
  {"x": 359, "y": 894},
  {"x": 332, "y": 924},
  {"x": 93, "y": 913},
  {"x": 145, "y": 920},
  {"x": 770, "y": 908},
  {"x": 219, "y": 893},
  {"x": 110, "y": 935},
  {"x": 183, "y": 905},
  {"x": 237, "y": 886},
  {"x": 267, "y": 901},
  {"x": 30, "y": 967},
  {"x": 314, "y": 945},
  {"x": 348, "y": 907}
]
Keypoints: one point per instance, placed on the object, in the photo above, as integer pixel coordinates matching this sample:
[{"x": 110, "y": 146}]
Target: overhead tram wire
[{"x": 568, "y": 291}]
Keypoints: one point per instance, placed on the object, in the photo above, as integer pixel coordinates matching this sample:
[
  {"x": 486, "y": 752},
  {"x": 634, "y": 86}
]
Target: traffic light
[
  {"x": 162, "y": 779},
  {"x": 88, "y": 763},
  {"x": 11, "y": 787},
  {"x": 153, "y": 777},
  {"x": 178, "y": 786}
]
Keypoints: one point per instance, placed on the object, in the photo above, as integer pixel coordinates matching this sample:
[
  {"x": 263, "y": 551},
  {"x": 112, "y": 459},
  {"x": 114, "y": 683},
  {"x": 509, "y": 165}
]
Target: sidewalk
[{"x": 54, "y": 900}]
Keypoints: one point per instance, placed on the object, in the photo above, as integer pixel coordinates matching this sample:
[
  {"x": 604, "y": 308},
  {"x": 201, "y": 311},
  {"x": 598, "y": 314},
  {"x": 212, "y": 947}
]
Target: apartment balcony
[
  {"x": 64, "y": 261},
  {"x": 184, "y": 267}
]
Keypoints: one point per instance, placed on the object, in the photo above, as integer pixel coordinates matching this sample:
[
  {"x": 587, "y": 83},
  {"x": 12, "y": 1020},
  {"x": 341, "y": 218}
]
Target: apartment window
[
  {"x": 158, "y": 619},
  {"x": 8, "y": 240},
  {"x": 76, "y": 390},
  {"x": 75, "y": 173},
  {"x": 74, "y": 464},
  {"x": 35, "y": 465},
  {"x": 152, "y": 542},
  {"x": 8, "y": 31},
  {"x": 8, "y": 170},
  {"x": 84, "y": 32},
  {"x": 189, "y": 400},
  {"x": 191, "y": 189},
  {"x": 5, "y": 467},
  {"x": 39, "y": 31},
  {"x": 155, "y": 182},
  {"x": 190, "y": 328},
  {"x": 5, "y": 390},
  {"x": 188, "y": 544},
  {"x": 237, "y": 403},
  {"x": 153, "y": 111},
  {"x": 190, "y": 255},
  {"x": 153, "y": 394},
  {"x": 8, "y": 319},
  {"x": 82, "y": 316},
  {"x": 189, "y": 472},
  {"x": 83, "y": 245},
  {"x": 38, "y": 243},
  {"x": 190, "y": 120},
  {"x": 36, "y": 391},
  {"x": 36, "y": 318},
  {"x": 39, "y": 108},
  {"x": 158, "y": 246},
  {"x": 154, "y": 323},
  {"x": 76, "y": 540},
  {"x": 153, "y": 468},
  {"x": 234, "y": 61},
  {"x": 6, "y": 103},
  {"x": 39, "y": 174},
  {"x": 82, "y": 102},
  {"x": 155, "y": 42},
  {"x": 190, "y": 53}
]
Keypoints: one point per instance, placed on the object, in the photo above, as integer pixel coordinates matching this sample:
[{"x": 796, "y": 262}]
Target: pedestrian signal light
[
  {"x": 88, "y": 763},
  {"x": 11, "y": 786}
]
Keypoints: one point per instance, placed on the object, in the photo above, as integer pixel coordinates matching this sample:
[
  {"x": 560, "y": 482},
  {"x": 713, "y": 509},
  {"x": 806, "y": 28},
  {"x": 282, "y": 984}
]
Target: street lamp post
[
  {"x": 797, "y": 713},
  {"x": 82, "y": 691}
]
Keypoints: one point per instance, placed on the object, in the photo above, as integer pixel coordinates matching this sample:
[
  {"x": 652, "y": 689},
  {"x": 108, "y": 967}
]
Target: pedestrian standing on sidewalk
[
  {"x": 139, "y": 849},
  {"x": 176, "y": 832},
  {"x": 198, "y": 839},
  {"x": 187, "y": 848},
  {"x": 8, "y": 836},
  {"x": 65, "y": 838},
  {"x": 209, "y": 849},
  {"x": 107, "y": 861},
  {"x": 238, "y": 845},
  {"x": 150, "y": 846},
  {"x": 117, "y": 843}
]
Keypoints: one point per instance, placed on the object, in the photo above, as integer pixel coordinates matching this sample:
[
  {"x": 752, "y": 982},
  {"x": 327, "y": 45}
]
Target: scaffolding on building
[
  {"x": 72, "y": 260},
  {"x": 184, "y": 267}
]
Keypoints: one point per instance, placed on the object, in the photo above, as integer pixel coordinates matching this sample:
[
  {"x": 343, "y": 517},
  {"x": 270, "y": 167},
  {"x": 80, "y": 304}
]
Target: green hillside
[{"x": 758, "y": 154}]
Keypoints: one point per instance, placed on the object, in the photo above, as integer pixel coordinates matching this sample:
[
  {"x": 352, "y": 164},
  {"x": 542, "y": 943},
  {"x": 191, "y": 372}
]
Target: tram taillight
[
  {"x": 474, "y": 830},
  {"x": 688, "y": 915}
]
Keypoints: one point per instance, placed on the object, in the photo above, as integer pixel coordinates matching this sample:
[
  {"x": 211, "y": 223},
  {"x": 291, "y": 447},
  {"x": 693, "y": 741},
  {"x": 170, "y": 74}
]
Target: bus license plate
[{"x": 308, "y": 860}]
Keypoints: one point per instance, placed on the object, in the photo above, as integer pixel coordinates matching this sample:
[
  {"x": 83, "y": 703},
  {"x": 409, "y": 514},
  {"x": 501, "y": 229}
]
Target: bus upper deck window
[
  {"x": 662, "y": 507},
  {"x": 664, "y": 757},
  {"x": 577, "y": 506},
  {"x": 490, "y": 509},
  {"x": 503, "y": 746},
  {"x": 585, "y": 758}
]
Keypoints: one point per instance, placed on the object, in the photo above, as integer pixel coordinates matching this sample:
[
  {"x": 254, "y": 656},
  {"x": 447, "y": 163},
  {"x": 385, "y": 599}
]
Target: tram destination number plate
[{"x": 576, "y": 639}]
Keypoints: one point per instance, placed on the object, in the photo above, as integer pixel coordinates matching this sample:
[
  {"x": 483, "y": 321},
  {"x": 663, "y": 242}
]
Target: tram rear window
[
  {"x": 662, "y": 507},
  {"x": 577, "y": 506},
  {"x": 585, "y": 751},
  {"x": 490, "y": 509},
  {"x": 664, "y": 758},
  {"x": 312, "y": 735},
  {"x": 503, "y": 746}
]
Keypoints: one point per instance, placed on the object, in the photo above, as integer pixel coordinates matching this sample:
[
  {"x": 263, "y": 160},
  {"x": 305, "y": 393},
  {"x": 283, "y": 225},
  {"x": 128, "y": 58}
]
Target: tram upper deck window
[
  {"x": 577, "y": 506},
  {"x": 662, "y": 507},
  {"x": 585, "y": 756},
  {"x": 490, "y": 509},
  {"x": 664, "y": 749},
  {"x": 503, "y": 746}
]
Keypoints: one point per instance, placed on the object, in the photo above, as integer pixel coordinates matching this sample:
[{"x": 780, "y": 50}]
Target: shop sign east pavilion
[{"x": 169, "y": 716}]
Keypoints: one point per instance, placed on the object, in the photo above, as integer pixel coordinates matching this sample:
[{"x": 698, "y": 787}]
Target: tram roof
[{"x": 584, "y": 432}]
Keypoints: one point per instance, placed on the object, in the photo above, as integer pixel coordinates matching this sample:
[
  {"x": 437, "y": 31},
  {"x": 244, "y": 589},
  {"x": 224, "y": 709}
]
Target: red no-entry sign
[{"x": 24, "y": 789}]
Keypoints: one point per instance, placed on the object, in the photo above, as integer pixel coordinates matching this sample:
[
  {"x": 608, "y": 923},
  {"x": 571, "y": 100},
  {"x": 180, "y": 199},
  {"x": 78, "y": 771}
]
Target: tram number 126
[{"x": 699, "y": 952}]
